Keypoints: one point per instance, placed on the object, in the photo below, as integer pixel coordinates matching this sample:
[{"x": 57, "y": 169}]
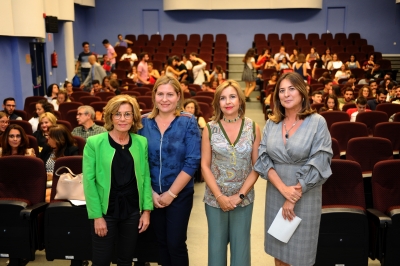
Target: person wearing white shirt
[
  {"x": 198, "y": 69},
  {"x": 281, "y": 54},
  {"x": 129, "y": 56}
]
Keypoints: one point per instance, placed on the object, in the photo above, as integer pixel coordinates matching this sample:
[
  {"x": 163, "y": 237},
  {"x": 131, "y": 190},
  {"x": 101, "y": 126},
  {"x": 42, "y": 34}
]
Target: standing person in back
[
  {"x": 143, "y": 69},
  {"x": 248, "y": 73},
  {"x": 198, "y": 69},
  {"x": 110, "y": 53},
  {"x": 83, "y": 61},
  {"x": 174, "y": 157},
  {"x": 96, "y": 73},
  {"x": 300, "y": 67}
]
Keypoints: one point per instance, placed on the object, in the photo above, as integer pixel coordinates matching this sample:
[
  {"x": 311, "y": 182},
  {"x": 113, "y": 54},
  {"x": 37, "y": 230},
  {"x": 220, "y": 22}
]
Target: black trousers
[{"x": 124, "y": 232}]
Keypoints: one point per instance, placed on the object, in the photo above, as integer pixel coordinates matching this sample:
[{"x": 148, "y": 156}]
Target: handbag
[
  {"x": 69, "y": 186},
  {"x": 76, "y": 82}
]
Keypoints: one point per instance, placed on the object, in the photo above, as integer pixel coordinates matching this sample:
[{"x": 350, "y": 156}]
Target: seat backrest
[
  {"x": 72, "y": 162},
  {"x": 386, "y": 185},
  {"x": 33, "y": 143},
  {"x": 396, "y": 117},
  {"x": 204, "y": 99},
  {"x": 147, "y": 100},
  {"x": 78, "y": 94},
  {"x": 345, "y": 186},
  {"x": 368, "y": 151},
  {"x": 86, "y": 100},
  {"x": 22, "y": 114},
  {"x": 388, "y": 108},
  {"x": 370, "y": 119},
  {"x": 71, "y": 118},
  {"x": 335, "y": 149},
  {"x": 23, "y": 177},
  {"x": 103, "y": 95},
  {"x": 390, "y": 131},
  {"x": 66, "y": 106},
  {"x": 31, "y": 99},
  {"x": 98, "y": 106},
  {"x": 206, "y": 93},
  {"x": 334, "y": 116},
  {"x": 206, "y": 111},
  {"x": 27, "y": 127},
  {"x": 81, "y": 142},
  {"x": 65, "y": 123},
  {"x": 346, "y": 130}
]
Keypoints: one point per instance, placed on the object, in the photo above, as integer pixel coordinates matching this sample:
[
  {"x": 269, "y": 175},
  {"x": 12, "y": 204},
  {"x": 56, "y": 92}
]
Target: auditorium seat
[
  {"x": 204, "y": 99},
  {"x": 326, "y": 36},
  {"x": 169, "y": 37},
  {"x": 334, "y": 116},
  {"x": 86, "y": 100},
  {"x": 368, "y": 49},
  {"x": 22, "y": 114},
  {"x": 390, "y": 131},
  {"x": 155, "y": 38},
  {"x": 286, "y": 36},
  {"x": 274, "y": 42},
  {"x": 370, "y": 119},
  {"x": 331, "y": 43},
  {"x": 206, "y": 110},
  {"x": 103, "y": 95},
  {"x": 26, "y": 126},
  {"x": 346, "y": 130},
  {"x": 312, "y": 36},
  {"x": 300, "y": 36},
  {"x": 66, "y": 106},
  {"x": 360, "y": 42},
  {"x": 66, "y": 124},
  {"x": 130, "y": 37},
  {"x": 354, "y": 36},
  {"x": 335, "y": 149},
  {"x": 147, "y": 100},
  {"x": 338, "y": 49},
  {"x": 340, "y": 36},
  {"x": 98, "y": 106},
  {"x": 181, "y": 38},
  {"x": 80, "y": 142},
  {"x": 131, "y": 93},
  {"x": 318, "y": 42},
  {"x": 385, "y": 64},
  {"x": 121, "y": 74},
  {"x": 348, "y": 106},
  {"x": 352, "y": 49},
  {"x": 396, "y": 117},
  {"x": 71, "y": 118},
  {"x": 29, "y": 100},
  {"x": 210, "y": 38},
  {"x": 141, "y": 90},
  {"x": 206, "y": 93},
  {"x": 317, "y": 106},
  {"x": 288, "y": 42}
]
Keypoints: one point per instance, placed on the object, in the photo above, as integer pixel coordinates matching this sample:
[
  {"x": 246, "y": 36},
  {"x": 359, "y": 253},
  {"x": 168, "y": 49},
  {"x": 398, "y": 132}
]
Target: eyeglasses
[
  {"x": 10, "y": 105},
  {"x": 14, "y": 136},
  {"x": 79, "y": 114},
  {"x": 2, "y": 122},
  {"x": 127, "y": 115}
]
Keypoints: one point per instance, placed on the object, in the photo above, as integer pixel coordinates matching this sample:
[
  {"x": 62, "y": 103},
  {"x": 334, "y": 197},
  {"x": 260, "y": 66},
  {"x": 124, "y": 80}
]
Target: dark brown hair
[
  {"x": 7, "y": 150},
  {"x": 62, "y": 138}
]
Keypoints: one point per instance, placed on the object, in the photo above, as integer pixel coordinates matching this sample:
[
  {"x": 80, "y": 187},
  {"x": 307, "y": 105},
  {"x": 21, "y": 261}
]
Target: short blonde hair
[
  {"x": 52, "y": 118},
  {"x": 217, "y": 108},
  {"x": 177, "y": 88},
  {"x": 113, "y": 106}
]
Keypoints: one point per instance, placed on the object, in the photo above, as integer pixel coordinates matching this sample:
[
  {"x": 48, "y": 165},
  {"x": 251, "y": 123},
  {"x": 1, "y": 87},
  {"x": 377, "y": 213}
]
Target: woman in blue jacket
[{"x": 174, "y": 156}]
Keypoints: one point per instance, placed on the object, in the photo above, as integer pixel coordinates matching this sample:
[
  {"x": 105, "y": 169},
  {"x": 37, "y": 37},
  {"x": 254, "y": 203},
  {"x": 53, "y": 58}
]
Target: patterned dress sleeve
[
  {"x": 318, "y": 167},
  {"x": 264, "y": 162}
]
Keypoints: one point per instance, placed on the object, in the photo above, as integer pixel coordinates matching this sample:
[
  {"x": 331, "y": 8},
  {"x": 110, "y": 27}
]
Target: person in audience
[
  {"x": 369, "y": 64},
  {"x": 313, "y": 55},
  {"x": 352, "y": 63},
  {"x": 248, "y": 73},
  {"x": 317, "y": 65},
  {"x": 316, "y": 97},
  {"x": 143, "y": 69},
  {"x": 85, "y": 117},
  {"x": 187, "y": 62},
  {"x": 133, "y": 74},
  {"x": 373, "y": 86},
  {"x": 9, "y": 107},
  {"x": 115, "y": 87},
  {"x": 294, "y": 56},
  {"x": 46, "y": 120},
  {"x": 327, "y": 87},
  {"x": 263, "y": 57},
  {"x": 342, "y": 73},
  {"x": 4, "y": 122},
  {"x": 52, "y": 92},
  {"x": 361, "y": 104},
  {"x": 327, "y": 57},
  {"x": 331, "y": 104},
  {"x": 295, "y": 188},
  {"x": 83, "y": 61},
  {"x": 214, "y": 84},
  {"x": 229, "y": 150},
  {"x": 380, "y": 98},
  {"x": 207, "y": 87},
  {"x": 351, "y": 82},
  {"x": 110, "y": 53},
  {"x": 113, "y": 76},
  {"x": 181, "y": 67},
  {"x": 366, "y": 79},
  {"x": 365, "y": 92},
  {"x": 129, "y": 56},
  {"x": 170, "y": 68},
  {"x": 335, "y": 63},
  {"x": 105, "y": 84},
  {"x": 96, "y": 87},
  {"x": 388, "y": 75},
  {"x": 220, "y": 78},
  {"x": 272, "y": 81},
  {"x": 284, "y": 64},
  {"x": 391, "y": 89},
  {"x": 42, "y": 106},
  {"x": 396, "y": 99},
  {"x": 337, "y": 91},
  {"x": 377, "y": 72},
  {"x": 96, "y": 72},
  {"x": 15, "y": 142},
  {"x": 348, "y": 97},
  {"x": 271, "y": 63},
  {"x": 153, "y": 73},
  {"x": 185, "y": 88},
  {"x": 282, "y": 53},
  {"x": 106, "y": 64},
  {"x": 217, "y": 70},
  {"x": 116, "y": 162},
  {"x": 192, "y": 106},
  {"x": 123, "y": 42},
  {"x": 68, "y": 87},
  {"x": 198, "y": 69},
  {"x": 173, "y": 162},
  {"x": 62, "y": 97},
  {"x": 300, "y": 67}
]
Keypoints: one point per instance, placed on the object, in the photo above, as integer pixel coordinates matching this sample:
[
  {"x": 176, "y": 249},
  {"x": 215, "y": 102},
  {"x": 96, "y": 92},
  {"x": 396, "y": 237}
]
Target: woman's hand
[
  {"x": 144, "y": 221},
  {"x": 288, "y": 210},
  {"x": 225, "y": 203},
  {"x": 156, "y": 199},
  {"x": 235, "y": 200},
  {"x": 292, "y": 193},
  {"x": 100, "y": 227},
  {"x": 165, "y": 199}
]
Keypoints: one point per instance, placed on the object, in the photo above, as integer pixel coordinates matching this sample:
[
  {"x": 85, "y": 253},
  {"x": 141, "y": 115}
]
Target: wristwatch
[{"x": 241, "y": 196}]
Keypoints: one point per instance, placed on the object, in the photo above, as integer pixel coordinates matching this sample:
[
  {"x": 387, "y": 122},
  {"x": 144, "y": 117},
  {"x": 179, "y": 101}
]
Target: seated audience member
[
  {"x": 15, "y": 142},
  {"x": 348, "y": 97},
  {"x": 192, "y": 106},
  {"x": 214, "y": 84},
  {"x": 318, "y": 64},
  {"x": 351, "y": 82},
  {"x": 327, "y": 86},
  {"x": 361, "y": 104},
  {"x": 335, "y": 63},
  {"x": 294, "y": 56},
  {"x": 300, "y": 66},
  {"x": 387, "y": 76},
  {"x": 106, "y": 64},
  {"x": 376, "y": 71},
  {"x": 267, "y": 98},
  {"x": 185, "y": 88},
  {"x": 214, "y": 75},
  {"x": 122, "y": 42},
  {"x": 113, "y": 76},
  {"x": 105, "y": 85},
  {"x": 365, "y": 92},
  {"x": 331, "y": 104},
  {"x": 313, "y": 55},
  {"x": 284, "y": 64},
  {"x": 391, "y": 89},
  {"x": 4, "y": 122},
  {"x": 114, "y": 84},
  {"x": 369, "y": 64},
  {"x": 263, "y": 57},
  {"x": 153, "y": 73},
  {"x": 9, "y": 107},
  {"x": 87, "y": 127},
  {"x": 42, "y": 106},
  {"x": 316, "y": 97},
  {"x": 342, "y": 73},
  {"x": 133, "y": 74},
  {"x": 68, "y": 87},
  {"x": 62, "y": 97},
  {"x": 52, "y": 92},
  {"x": 129, "y": 56},
  {"x": 187, "y": 62},
  {"x": 220, "y": 78},
  {"x": 206, "y": 87},
  {"x": 365, "y": 80},
  {"x": 380, "y": 98},
  {"x": 181, "y": 68},
  {"x": 396, "y": 99},
  {"x": 282, "y": 53},
  {"x": 271, "y": 63},
  {"x": 352, "y": 63},
  {"x": 373, "y": 86},
  {"x": 198, "y": 69},
  {"x": 46, "y": 120},
  {"x": 170, "y": 68},
  {"x": 337, "y": 91},
  {"x": 96, "y": 88},
  {"x": 327, "y": 57}
]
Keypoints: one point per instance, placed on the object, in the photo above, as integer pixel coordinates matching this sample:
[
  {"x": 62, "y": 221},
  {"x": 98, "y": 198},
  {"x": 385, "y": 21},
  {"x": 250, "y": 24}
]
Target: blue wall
[{"x": 377, "y": 21}]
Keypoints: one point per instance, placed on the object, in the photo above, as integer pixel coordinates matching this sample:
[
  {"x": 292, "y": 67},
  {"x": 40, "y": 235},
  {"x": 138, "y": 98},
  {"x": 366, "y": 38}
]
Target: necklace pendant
[
  {"x": 123, "y": 146},
  {"x": 286, "y": 136}
]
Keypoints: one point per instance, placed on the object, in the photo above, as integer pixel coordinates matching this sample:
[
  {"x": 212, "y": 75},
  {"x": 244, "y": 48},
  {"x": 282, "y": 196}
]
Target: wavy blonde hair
[
  {"x": 218, "y": 114},
  {"x": 52, "y": 118},
  {"x": 113, "y": 106}
]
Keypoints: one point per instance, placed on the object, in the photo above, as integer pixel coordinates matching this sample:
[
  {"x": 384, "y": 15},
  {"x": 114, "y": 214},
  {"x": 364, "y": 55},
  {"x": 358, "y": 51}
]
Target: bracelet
[
  {"x": 218, "y": 196},
  {"x": 172, "y": 194}
]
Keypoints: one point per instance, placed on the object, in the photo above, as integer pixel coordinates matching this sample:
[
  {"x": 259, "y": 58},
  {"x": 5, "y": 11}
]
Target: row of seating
[
  {"x": 315, "y": 42},
  {"x": 310, "y": 36},
  {"x": 169, "y": 39}
]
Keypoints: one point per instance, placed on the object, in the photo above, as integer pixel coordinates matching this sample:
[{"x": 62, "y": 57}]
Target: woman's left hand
[
  {"x": 144, "y": 221},
  {"x": 165, "y": 199},
  {"x": 288, "y": 210},
  {"x": 235, "y": 200}
]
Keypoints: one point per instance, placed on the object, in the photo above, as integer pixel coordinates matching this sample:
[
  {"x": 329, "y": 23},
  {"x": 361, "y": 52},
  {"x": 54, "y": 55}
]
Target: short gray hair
[{"x": 88, "y": 109}]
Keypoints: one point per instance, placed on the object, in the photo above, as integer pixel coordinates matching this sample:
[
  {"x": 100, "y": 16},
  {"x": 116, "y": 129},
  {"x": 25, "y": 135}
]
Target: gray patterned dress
[{"x": 305, "y": 158}]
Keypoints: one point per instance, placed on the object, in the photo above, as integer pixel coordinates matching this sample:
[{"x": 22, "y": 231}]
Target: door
[
  {"x": 336, "y": 20},
  {"x": 38, "y": 68},
  {"x": 150, "y": 23}
]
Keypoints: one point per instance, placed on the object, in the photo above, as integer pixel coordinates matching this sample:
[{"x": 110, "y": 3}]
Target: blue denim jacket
[{"x": 175, "y": 151}]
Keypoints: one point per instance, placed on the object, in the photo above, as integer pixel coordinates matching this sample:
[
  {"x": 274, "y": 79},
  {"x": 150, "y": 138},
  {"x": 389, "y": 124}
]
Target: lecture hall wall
[{"x": 377, "y": 21}]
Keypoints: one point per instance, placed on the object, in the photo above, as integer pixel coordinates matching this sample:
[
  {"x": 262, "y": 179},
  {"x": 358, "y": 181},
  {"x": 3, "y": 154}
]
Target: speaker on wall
[{"x": 51, "y": 24}]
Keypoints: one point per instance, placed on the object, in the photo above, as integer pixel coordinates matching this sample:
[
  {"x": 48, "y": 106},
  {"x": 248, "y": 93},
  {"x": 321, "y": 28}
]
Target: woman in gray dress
[{"x": 294, "y": 156}]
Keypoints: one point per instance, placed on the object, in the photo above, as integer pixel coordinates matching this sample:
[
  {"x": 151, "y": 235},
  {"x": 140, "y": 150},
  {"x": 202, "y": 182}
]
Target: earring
[{"x": 303, "y": 99}]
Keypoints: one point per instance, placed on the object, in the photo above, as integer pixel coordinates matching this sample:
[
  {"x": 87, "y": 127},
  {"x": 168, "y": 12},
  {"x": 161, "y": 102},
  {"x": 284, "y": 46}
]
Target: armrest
[
  {"x": 14, "y": 202},
  {"x": 60, "y": 204},
  {"x": 33, "y": 211},
  {"x": 342, "y": 209},
  {"x": 379, "y": 217}
]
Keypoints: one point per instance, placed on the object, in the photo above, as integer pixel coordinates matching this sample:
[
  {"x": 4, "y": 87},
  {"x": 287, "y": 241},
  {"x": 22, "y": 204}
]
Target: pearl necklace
[
  {"x": 231, "y": 120},
  {"x": 287, "y": 131}
]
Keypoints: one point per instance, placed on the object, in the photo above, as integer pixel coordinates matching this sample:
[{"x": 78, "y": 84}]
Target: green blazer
[{"x": 97, "y": 159}]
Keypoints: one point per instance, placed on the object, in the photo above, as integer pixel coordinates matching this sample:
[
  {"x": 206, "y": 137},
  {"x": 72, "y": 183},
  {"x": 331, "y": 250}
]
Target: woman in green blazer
[{"x": 117, "y": 182}]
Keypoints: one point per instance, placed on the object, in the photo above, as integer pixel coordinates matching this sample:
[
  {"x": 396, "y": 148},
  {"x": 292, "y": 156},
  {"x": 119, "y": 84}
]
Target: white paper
[
  {"x": 283, "y": 229},
  {"x": 78, "y": 202}
]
